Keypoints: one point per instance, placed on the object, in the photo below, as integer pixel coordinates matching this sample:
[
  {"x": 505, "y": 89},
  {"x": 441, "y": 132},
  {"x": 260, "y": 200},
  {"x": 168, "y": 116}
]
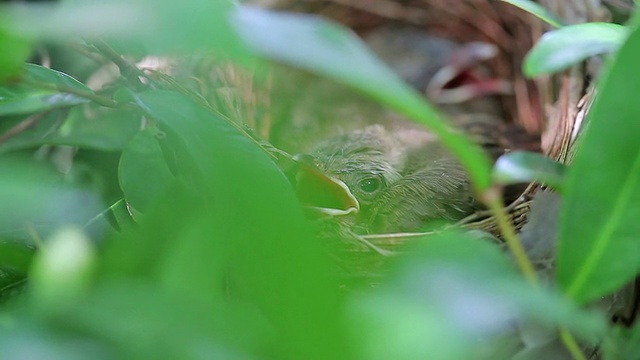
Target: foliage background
[{"x": 151, "y": 225}]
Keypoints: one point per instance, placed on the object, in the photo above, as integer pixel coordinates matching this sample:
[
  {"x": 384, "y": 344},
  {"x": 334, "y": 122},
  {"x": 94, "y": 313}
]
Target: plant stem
[
  {"x": 22, "y": 126},
  {"x": 100, "y": 100},
  {"x": 493, "y": 200},
  {"x": 128, "y": 70},
  {"x": 571, "y": 345}
]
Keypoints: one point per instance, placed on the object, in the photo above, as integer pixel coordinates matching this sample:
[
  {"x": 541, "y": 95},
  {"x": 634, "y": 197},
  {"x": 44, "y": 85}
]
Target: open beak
[{"x": 321, "y": 194}]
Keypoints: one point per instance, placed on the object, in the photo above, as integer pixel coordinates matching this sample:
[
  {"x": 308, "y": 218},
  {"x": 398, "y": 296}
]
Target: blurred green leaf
[
  {"x": 41, "y": 74},
  {"x": 28, "y": 98},
  {"x": 521, "y": 166},
  {"x": 560, "y": 49},
  {"x": 458, "y": 297},
  {"x": 89, "y": 127},
  {"x": 598, "y": 243},
  {"x": 243, "y": 216},
  {"x": 140, "y": 26},
  {"x": 28, "y": 338},
  {"x": 623, "y": 344},
  {"x": 23, "y": 100},
  {"x": 15, "y": 51},
  {"x": 331, "y": 50},
  {"x": 122, "y": 215},
  {"x": 15, "y": 257},
  {"x": 143, "y": 172},
  {"x": 153, "y": 323},
  {"x": 116, "y": 217},
  {"x": 107, "y": 130},
  {"x": 537, "y": 10},
  {"x": 34, "y": 200}
]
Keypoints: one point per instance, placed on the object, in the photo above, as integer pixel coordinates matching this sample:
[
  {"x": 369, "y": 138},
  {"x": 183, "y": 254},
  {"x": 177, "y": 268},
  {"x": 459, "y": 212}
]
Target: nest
[{"x": 542, "y": 115}]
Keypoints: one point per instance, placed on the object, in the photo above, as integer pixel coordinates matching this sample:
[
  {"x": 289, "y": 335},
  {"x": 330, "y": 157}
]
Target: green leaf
[
  {"x": 243, "y": 215},
  {"x": 331, "y": 50},
  {"x": 26, "y": 335},
  {"x": 15, "y": 257},
  {"x": 560, "y": 49},
  {"x": 147, "y": 314},
  {"x": 537, "y": 10},
  {"x": 623, "y": 344},
  {"x": 143, "y": 172},
  {"x": 141, "y": 26},
  {"x": 23, "y": 100},
  {"x": 106, "y": 129},
  {"x": 599, "y": 243},
  {"x": 15, "y": 260},
  {"x": 26, "y": 98},
  {"x": 122, "y": 215},
  {"x": 521, "y": 166},
  {"x": 88, "y": 127},
  {"x": 460, "y": 297},
  {"x": 41, "y": 74},
  {"x": 34, "y": 201},
  {"x": 117, "y": 217},
  {"x": 15, "y": 50}
]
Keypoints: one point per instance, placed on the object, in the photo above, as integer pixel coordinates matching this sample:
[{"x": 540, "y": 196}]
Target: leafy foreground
[{"x": 193, "y": 245}]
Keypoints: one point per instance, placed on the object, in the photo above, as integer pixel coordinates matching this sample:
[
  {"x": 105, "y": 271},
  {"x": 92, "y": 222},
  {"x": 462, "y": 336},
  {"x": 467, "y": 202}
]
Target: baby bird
[
  {"x": 402, "y": 178},
  {"x": 399, "y": 172}
]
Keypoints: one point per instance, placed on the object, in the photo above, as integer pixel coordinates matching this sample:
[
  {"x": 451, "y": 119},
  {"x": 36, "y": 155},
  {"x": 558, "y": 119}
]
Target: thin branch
[
  {"x": 22, "y": 126},
  {"x": 405, "y": 235},
  {"x": 483, "y": 214},
  {"x": 127, "y": 69},
  {"x": 375, "y": 248}
]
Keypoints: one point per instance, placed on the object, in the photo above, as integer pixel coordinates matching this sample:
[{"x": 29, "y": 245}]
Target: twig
[
  {"x": 481, "y": 214},
  {"x": 395, "y": 235},
  {"x": 377, "y": 249},
  {"x": 126, "y": 68},
  {"x": 22, "y": 126}
]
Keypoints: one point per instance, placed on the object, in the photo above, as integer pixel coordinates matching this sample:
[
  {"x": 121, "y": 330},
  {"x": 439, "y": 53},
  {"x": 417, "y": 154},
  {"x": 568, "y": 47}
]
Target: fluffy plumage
[{"x": 403, "y": 178}]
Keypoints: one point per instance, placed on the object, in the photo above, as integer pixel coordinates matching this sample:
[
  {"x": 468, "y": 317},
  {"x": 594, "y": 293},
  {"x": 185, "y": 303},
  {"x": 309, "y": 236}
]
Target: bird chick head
[
  {"x": 402, "y": 178},
  {"x": 367, "y": 161}
]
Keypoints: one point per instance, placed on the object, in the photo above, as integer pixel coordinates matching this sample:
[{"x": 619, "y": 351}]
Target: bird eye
[{"x": 370, "y": 185}]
